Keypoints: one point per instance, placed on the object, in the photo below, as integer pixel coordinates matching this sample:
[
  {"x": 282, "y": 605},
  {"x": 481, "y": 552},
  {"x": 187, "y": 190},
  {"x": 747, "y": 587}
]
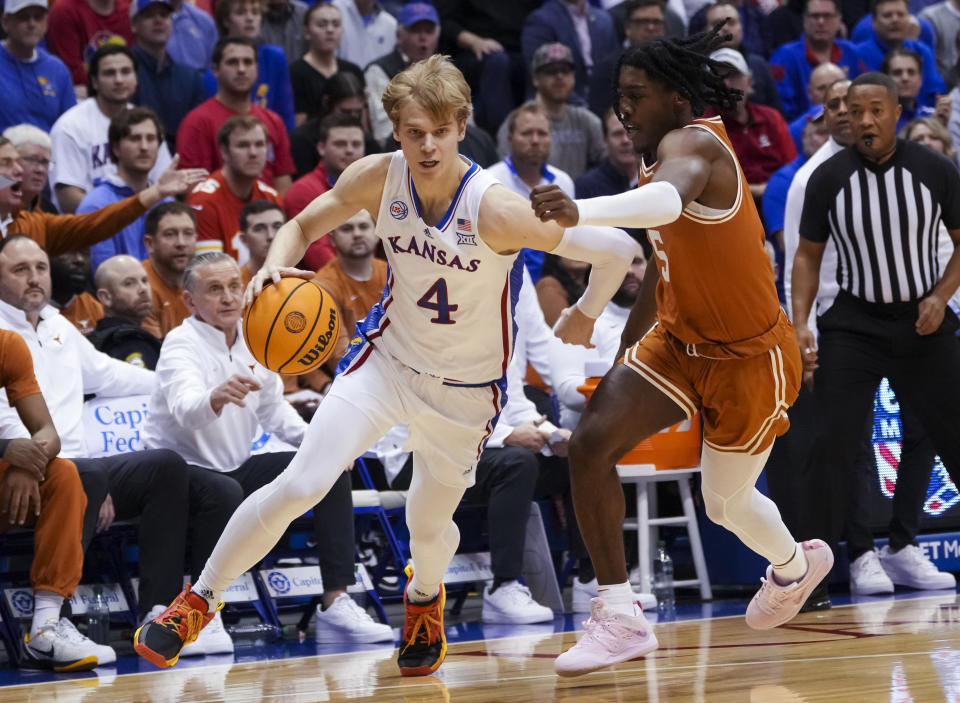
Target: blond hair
[{"x": 435, "y": 84}]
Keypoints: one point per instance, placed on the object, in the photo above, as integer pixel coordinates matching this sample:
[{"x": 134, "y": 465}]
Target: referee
[{"x": 881, "y": 201}]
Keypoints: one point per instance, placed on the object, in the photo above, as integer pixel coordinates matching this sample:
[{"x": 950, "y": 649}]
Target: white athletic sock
[
  {"x": 793, "y": 569},
  {"x": 46, "y": 610},
  {"x": 207, "y": 593},
  {"x": 419, "y": 592},
  {"x": 619, "y": 598}
]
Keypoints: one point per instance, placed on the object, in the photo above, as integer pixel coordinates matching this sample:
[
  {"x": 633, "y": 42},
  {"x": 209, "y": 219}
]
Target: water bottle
[
  {"x": 98, "y": 617},
  {"x": 663, "y": 578}
]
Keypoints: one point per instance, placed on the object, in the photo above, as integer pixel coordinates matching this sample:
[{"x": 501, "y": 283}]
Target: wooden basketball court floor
[{"x": 903, "y": 650}]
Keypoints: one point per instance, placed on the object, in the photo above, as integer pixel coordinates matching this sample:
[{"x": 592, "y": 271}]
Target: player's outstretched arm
[
  {"x": 686, "y": 159},
  {"x": 358, "y": 188},
  {"x": 507, "y": 224}
]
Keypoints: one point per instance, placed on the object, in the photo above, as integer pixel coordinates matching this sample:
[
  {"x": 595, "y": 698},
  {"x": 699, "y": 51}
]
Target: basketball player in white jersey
[{"x": 432, "y": 354}]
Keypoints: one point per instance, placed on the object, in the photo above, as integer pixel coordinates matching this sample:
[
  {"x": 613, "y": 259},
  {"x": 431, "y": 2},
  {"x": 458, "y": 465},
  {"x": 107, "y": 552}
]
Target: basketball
[{"x": 292, "y": 326}]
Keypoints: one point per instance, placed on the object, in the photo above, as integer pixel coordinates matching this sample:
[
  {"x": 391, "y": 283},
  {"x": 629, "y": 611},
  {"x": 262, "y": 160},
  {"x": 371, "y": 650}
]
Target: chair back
[{"x": 676, "y": 447}]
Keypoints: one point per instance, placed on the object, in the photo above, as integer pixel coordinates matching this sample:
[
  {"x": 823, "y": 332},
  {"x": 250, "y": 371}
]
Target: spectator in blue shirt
[
  {"x": 193, "y": 36},
  {"x": 133, "y": 142},
  {"x": 616, "y": 173},
  {"x": 793, "y": 63},
  {"x": 566, "y": 22},
  {"x": 905, "y": 67},
  {"x": 864, "y": 31},
  {"x": 822, "y": 77},
  {"x": 891, "y": 22},
  {"x": 273, "y": 90},
  {"x": 163, "y": 85},
  {"x": 36, "y": 86}
]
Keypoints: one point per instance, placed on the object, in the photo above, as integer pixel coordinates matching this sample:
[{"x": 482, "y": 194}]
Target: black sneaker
[
  {"x": 819, "y": 599},
  {"x": 424, "y": 643}
]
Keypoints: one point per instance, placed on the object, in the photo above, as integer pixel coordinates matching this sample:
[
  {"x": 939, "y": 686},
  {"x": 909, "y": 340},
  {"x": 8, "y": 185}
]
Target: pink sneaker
[
  {"x": 609, "y": 638},
  {"x": 773, "y": 605}
]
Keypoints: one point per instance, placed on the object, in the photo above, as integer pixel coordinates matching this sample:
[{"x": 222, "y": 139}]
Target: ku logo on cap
[{"x": 398, "y": 209}]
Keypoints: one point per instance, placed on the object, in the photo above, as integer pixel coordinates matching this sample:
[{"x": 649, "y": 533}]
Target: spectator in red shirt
[
  {"x": 235, "y": 67},
  {"x": 759, "y": 134},
  {"x": 219, "y": 200},
  {"x": 76, "y": 25},
  {"x": 339, "y": 144}
]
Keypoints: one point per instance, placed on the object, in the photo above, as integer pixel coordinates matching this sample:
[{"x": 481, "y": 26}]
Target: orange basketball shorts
[{"x": 743, "y": 401}]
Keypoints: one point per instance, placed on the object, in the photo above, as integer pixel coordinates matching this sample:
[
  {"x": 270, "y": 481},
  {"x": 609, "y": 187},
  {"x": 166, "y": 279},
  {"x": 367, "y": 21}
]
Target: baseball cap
[
  {"x": 547, "y": 54},
  {"x": 414, "y": 12},
  {"x": 138, "y": 6},
  {"x": 732, "y": 58},
  {"x": 12, "y": 7}
]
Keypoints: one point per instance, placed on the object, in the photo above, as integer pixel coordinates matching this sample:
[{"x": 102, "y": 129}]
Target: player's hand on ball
[
  {"x": 551, "y": 203},
  {"x": 272, "y": 273},
  {"x": 233, "y": 390},
  {"x": 573, "y": 327}
]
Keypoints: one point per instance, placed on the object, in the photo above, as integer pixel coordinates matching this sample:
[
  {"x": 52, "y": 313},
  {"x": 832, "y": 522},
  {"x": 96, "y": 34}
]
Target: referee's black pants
[
  {"x": 913, "y": 478},
  {"x": 861, "y": 343}
]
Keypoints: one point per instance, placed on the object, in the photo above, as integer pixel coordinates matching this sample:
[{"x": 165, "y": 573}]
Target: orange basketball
[{"x": 292, "y": 326}]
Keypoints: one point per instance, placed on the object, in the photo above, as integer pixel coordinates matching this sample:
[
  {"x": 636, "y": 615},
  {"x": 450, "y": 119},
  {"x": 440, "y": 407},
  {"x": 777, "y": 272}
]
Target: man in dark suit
[{"x": 590, "y": 34}]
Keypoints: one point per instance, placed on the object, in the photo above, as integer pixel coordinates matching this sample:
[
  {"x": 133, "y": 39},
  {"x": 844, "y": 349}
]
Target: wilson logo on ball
[{"x": 323, "y": 341}]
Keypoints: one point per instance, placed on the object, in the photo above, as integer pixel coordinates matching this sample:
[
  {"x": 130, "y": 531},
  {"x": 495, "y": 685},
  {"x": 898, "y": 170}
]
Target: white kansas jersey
[{"x": 448, "y": 306}]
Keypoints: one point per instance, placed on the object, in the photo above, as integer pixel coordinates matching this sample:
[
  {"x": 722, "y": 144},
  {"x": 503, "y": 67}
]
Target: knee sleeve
[{"x": 728, "y": 482}]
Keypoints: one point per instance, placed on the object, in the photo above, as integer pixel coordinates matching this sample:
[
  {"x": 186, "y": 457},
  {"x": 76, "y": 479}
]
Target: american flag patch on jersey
[{"x": 465, "y": 225}]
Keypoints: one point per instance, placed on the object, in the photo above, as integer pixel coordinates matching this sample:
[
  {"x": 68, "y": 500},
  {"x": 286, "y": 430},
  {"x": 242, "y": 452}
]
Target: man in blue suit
[{"x": 590, "y": 33}]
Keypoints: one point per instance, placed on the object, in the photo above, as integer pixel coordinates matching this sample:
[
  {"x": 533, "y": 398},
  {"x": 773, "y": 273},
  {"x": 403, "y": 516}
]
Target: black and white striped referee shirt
[{"x": 884, "y": 219}]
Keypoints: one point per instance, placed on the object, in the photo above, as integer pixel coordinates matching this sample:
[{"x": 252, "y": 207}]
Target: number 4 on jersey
[{"x": 436, "y": 299}]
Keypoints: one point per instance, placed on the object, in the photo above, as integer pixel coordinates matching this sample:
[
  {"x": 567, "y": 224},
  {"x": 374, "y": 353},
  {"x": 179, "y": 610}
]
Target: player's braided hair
[{"x": 684, "y": 64}]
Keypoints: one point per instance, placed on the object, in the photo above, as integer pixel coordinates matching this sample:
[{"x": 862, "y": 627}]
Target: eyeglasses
[
  {"x": 35, "y": 161},
  {"x": 652, "y": 21}
]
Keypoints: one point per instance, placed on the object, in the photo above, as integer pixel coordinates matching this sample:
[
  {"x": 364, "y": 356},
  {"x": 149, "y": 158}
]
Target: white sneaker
[
  {"x": 584, "y": 592},
  {"x": 213, "y": 639},
  {"x": 867, "y": 577},
  {"x": 608, "y": 638},
  {"x": 61, "y": 647},
  {"x": 345, "y": 621},
  {"x": 512, "y": 603},
  {"x": 155, "y": 611},
  {"x": 910, "y": 567}
]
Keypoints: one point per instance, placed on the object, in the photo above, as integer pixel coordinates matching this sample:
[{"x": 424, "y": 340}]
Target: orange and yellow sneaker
[
  {"x": 160, "y": 640},
  {"x": 424, "y": 643}
]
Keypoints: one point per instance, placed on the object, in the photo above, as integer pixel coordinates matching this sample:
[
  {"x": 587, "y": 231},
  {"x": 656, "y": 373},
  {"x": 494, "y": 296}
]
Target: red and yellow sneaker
[
  {"x": 160, "y": 640},
  {"x": 424, "y": 642}
]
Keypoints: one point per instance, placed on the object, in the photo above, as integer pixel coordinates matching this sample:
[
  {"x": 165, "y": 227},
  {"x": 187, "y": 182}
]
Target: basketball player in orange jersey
[
  {"x": 713, "y": 339},
  {"x": 432, "y": 354}
]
